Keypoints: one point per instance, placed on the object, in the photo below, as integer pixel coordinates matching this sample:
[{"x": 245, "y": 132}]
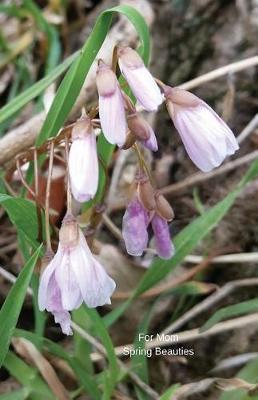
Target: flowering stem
[
  {"x": 69, "y": 196},
  {"x": 36, "y": 179},
  {"x": 114, "y": 59},
  {"x": 48, "y": 188},
  {"x": 142, "y": 162},
  {"x": 25, "y": 184}
]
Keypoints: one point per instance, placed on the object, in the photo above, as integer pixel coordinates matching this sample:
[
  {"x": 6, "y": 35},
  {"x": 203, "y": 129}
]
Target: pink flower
[
  {"x": 206, "y": 137},
  {"x": 134, "y": 228},
  {"x": 73, "y": 276},
  {"x": 111, "y": 105},
  {"x": 83, "y": 161},
  {"x": 139, "y": 79},
  {"x": 163, "y": 243}
]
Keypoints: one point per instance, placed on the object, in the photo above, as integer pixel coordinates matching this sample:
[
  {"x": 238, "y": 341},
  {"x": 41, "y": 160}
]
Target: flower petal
[
  {"x": 66, "y": 279},
  {"x": 151, "y": 143},
  {"x": 84, "y": 168},
  {"x": 206, "y": 138},
  {"x": 112, "y": 117},
  {"x": 143, "y": 86},
  {"x": 45, "y": 280},
  {"x": 164, "y": 246},
  {"x": 134, "y": 228},
  {"x": 64, "y": 319}
]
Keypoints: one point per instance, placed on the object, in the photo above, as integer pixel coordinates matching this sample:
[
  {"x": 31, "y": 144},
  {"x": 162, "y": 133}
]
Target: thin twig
[
  {"x": 200, "y": 177},
  {"x": 69, "y": 195},
  {"x": 226, "y": 259},
  {"x": 217, "y": 73},
  {"x": 25, "y": 184},
  {"x": 209, "y": 302},
  {"x": 48, "y": 189},
  {"x": 174, "y": 282},
  {"x": 112, "y": 227},
  {"x": 250, "y": 127},
  {"x": 38, "y": 208}
]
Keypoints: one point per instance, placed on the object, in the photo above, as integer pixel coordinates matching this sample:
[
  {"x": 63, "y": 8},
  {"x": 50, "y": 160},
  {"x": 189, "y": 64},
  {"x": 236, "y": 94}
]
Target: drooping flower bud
[
  {"x": 206, "y": 137},
  {"x": 146, "y": 194},
  {"x": 163, "y": 208},
  {"x": 143, "y": 131},
  {"x": 134, "y": 228},
  {"x": 139, "y": 79},
  {"x": 111, "y": 105},
  {"x": 73, "y": 276},
  {"x": 83, "y": 161},
  {"x": 163, "y": 244}
]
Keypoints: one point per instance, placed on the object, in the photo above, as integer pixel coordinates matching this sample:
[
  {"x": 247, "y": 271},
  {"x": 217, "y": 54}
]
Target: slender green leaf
[
  {"x": 234, "y": 310},
  {"x": 32, "y": 92},
  {"x": 28, "y": 377},
  {"x": 11, "y": 308},
  {"x": 248, "y": 373},
  {"x": 22, "y": 214},
  {"x": 87, "y": 380},
  {"x": 170, "y": 392},
  {"x": 111, "y": 376},
  {"x": 21, "y": 394}
]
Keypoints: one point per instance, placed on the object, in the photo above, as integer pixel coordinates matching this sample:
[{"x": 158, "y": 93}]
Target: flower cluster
[
  {"x": 73, "y": 275},
  {"x": 146, "y": 208}
]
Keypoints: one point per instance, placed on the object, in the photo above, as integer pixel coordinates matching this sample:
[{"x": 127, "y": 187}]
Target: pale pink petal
[
  {"x": 45, "y": 279},
  {"x": 112, "y": 117},
  {"x": 95, "y": 285},
  {"x": 84, "y": 168},
  {"x": 64, "y": 319},
  {"x": 134, "y": 228},
  {"x": 67, "y": 282},
  {"x": 206, "y": 138},
  {"x": 151, "y": 143},
  {"x": 163, "y": 243},
  {"x": 142, "y": 85}
]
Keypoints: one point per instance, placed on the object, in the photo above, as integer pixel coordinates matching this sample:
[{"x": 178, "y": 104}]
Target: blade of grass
[
  {"x": 234, "y": 310},
  {"x": 11, "y": 308}
]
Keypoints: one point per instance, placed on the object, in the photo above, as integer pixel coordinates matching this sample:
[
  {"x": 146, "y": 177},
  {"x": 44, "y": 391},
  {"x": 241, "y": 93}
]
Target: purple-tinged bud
[
  {"x": 146, "y": 194},
  {"x": 140, "y": 80},
  {"x": 163, "y": 208},
  {"x": 163, "y": 244},
  {"x": 83, "y": 161},
  {"x": 111, "y": 105},
  {"x": 134, "y": 228},
  {"x": 142, "y": 131},
  {"x": 138, "y": 126},
  {"x": 206, "y": 137},
  {"x": 73, "y": 276}
]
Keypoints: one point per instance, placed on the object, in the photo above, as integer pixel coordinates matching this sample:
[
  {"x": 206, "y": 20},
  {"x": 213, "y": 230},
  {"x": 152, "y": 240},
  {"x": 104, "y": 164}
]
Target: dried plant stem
[
  {"x": 25, "y": 184},
  {"x": 200, "y": 177},
  {"x": 69, "y": 195},
  {"x": 210, "y": 301},
  {"x": 217, "y": 73},
  {"x": 48, "y": 189},
  {"x": 155, "y": 291},
  {"x": 38, "y": 208}
]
